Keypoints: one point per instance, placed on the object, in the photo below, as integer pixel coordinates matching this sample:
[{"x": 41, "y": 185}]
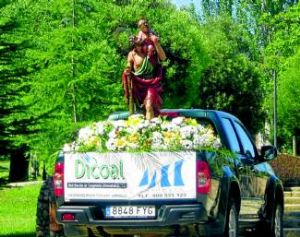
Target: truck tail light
[
  {"x": 203, "y": 177},
  {"x": 58, "y": 180},
  {"x": 68, "y": 217}
]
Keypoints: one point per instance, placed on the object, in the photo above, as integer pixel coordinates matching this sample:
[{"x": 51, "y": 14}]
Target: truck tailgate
[{"x": 129, "y": 176}]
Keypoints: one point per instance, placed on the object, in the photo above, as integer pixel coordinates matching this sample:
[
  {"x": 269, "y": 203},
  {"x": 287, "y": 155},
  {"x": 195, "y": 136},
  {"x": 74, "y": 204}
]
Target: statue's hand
[
  {"x": 154, "y": 39},
  {"x": 127, "y": 71}
]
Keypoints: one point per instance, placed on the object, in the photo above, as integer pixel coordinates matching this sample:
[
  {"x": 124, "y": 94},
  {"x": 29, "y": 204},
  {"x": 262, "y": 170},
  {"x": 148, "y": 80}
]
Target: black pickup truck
[{"x": 189, "y": 193}]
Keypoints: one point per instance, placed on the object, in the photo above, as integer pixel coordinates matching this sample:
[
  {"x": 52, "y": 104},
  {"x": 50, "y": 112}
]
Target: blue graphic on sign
[
  {"x": 144, "y": 180},
  {"x": 178, "y": 177},
  {"x": 164, "y": 176},
  {"x": 164, "y": 182}
]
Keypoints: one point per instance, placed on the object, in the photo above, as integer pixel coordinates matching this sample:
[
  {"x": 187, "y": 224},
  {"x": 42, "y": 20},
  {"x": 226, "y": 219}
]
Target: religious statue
[{"x": 143, "y": 73}]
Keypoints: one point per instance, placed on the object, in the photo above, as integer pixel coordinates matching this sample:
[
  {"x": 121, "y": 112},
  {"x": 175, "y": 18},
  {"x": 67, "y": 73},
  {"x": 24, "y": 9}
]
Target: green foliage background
[
  {"x": 65, "y": 58},
  {"x": 282, "y": 58}
]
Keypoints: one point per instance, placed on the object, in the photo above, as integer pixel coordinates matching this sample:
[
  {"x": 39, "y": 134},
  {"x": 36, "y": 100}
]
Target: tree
[
  {"x": 288, "y": 101},
  {"x": 77, "y": 54},
  {"x": 232, "y": 80},
  {"x": 75, "y": 79},
  {"x": 271, "y": 25},
  {"x": 5, "y": 72},
  {"x": 282, "y": 57},
  {"x": 12, "y": 88}
]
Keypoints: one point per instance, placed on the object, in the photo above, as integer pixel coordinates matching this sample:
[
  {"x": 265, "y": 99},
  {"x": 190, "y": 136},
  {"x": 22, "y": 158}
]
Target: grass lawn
[
  {"x": 4, "y": 169},
  {"x": 18, "y": 210}
]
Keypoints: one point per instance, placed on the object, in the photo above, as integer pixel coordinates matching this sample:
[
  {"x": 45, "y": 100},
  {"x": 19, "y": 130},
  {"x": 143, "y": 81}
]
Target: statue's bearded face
[{"x": 144, "y": 27}]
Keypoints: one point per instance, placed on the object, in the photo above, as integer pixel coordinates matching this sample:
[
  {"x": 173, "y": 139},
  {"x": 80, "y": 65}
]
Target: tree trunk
[
  {"x": 297, "y": 145},
  {"x": 294, "y": 146},
  {"x": 19, "y": 165}
]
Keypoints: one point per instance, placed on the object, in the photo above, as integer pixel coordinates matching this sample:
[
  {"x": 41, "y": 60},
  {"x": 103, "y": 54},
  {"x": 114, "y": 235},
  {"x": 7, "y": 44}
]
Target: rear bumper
[
  {"x": 167, "y": 215},
  {"x": 171, "y": 220}
]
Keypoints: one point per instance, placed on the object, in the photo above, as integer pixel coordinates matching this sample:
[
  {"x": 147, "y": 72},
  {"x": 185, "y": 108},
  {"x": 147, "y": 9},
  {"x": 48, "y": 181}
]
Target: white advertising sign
[{"x": 130, "y": 176}]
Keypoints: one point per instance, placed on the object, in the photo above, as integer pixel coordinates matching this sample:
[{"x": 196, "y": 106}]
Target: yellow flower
[
  {"x": 171, "y": 137},
  {"x": 133, "y": 121},
  {"x": 167, "y": 135},
  {"x": 190, "y": 121},
  {"x": 94, "y": 141},
  {"x": 120, "y": 143},
  {"x": 133, "y": 138}
]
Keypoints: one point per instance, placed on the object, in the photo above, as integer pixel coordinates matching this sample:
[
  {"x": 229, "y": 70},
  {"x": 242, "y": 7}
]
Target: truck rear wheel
[{"x": 42, "y": 213}]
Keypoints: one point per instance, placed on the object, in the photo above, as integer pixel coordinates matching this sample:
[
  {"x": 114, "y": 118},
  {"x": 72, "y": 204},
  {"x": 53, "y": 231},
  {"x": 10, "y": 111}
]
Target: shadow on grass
[
  {"x": 33, "y": 234},
  {"x": 3, "y": 184}
]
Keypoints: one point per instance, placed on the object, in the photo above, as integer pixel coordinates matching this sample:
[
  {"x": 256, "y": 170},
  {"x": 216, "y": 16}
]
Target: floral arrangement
[{"x": 138, "y": 134}]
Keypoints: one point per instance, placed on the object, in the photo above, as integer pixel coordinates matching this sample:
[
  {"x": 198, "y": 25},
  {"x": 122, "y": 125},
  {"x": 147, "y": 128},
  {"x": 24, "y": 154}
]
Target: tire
[
  {"x": 42, "y": 212},
  {"x": 232, "y": 220},
  {"x": 277, "y": 222}
]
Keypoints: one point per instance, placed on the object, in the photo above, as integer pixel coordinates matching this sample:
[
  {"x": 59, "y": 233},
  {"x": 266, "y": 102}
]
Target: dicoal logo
[{"x": 164, "y": 176}]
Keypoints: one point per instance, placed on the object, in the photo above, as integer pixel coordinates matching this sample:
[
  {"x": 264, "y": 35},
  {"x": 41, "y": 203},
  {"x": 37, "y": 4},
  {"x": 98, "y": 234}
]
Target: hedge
[{"x": 287, "y": 167}]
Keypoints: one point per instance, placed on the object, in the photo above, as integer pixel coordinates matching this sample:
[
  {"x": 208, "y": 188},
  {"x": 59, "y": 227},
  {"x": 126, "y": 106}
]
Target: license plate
[{"x": 130, "y": 211}]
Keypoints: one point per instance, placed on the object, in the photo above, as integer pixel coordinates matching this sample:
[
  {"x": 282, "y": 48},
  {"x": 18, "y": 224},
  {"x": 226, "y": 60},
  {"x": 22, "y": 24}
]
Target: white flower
[
  {"x": 68, "y": 147},
  {"x": 153, "y": 126},
  {"x": 112, "y": 134},
  {"x": 198, "y": 141},
  {"x": 146, "y": 122},
  {"x": 100, "y": 128},
  {"x": 178, "y": 121},
  {"x": 133, "y": 146},
  {"x": 157, "y": 137},
  {"x": 187, "y": 144},
  {"x": 157, "y": 141},
  {"x": 85, "y": 134},
  {"x": 118, "y": 123},
  {"x": 170, "y": 127},
  {"x": 111, "y": 144},
  {"x": 143, "y": 124},
  {"x": 201, "y": 129},
  {"x": 209, "y": 139},
  {"x": 187, "y": 132},
  {"x": 156, "y": 120},
  {"x": 131, "y": 129},
  {"x": 217, "y": 143}
]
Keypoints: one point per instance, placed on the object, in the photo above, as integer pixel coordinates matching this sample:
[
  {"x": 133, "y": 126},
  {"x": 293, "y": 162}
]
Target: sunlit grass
[{"x": 18, "y": 210}]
